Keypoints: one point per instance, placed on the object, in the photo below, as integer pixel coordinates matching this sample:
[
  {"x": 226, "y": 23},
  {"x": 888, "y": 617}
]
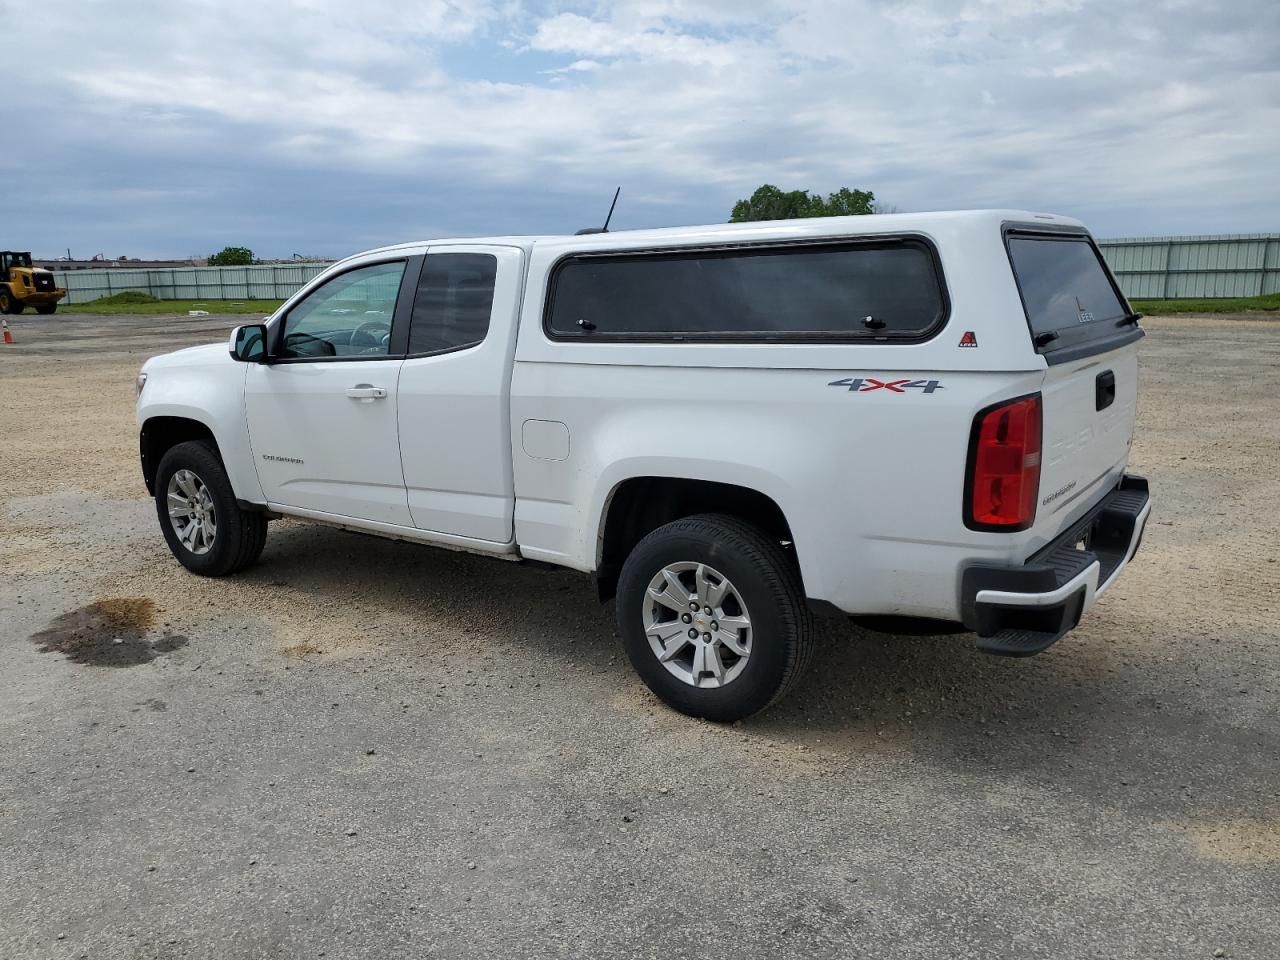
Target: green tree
[
  {"x": 232, "y": 257},
  {"x": 771, "y": 203},
  {"x": 849, "y": 203}
]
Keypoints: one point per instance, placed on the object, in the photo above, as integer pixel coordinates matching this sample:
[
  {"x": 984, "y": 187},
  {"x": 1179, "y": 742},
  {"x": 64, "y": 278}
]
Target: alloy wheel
[
  {"x": 191, "y": 512},
  {"x": 697, "y": 625}
]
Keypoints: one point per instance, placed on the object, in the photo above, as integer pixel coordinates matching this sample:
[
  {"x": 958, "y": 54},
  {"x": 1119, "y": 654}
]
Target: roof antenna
[{"x": 605, "y": 228}]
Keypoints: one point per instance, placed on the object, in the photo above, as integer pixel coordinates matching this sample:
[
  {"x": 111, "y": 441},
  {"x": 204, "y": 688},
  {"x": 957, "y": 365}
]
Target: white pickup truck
[{"x": 730, "y": 426}]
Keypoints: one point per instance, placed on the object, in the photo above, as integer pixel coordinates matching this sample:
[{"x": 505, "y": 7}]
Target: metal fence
[
  {"x": 1148, "y": 268},
  {"x": 268, "y": 281},
  {"x": 1228, "y": 265}
]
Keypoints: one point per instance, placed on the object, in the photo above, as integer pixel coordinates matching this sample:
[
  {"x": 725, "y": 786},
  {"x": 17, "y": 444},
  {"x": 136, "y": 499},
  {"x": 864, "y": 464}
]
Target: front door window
[{"x": 350, "y": 316}]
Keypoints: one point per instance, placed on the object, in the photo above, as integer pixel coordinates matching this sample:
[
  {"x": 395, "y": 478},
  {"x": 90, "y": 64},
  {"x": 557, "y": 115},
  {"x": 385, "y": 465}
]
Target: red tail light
[{"x": 1003, "y": 481}]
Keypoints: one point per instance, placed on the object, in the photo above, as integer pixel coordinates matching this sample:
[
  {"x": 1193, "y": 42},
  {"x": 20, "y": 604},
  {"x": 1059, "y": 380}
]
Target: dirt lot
[{"x": 369, "y": 749}]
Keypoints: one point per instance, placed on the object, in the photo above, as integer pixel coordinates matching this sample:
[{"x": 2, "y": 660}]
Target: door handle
[
  {"x": 366, "y": 391},
  {"x": 1105, "y": 390}
]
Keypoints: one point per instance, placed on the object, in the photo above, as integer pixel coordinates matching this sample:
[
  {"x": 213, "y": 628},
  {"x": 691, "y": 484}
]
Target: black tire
[
  {"x": 46, "y": 308},
  {"x": 240, "y": 535},
  {"x": 7, "y": 303},
  {"x": 768, "y": 582}
]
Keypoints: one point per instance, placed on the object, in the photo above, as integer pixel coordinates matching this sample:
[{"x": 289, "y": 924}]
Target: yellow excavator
[{"x": 22, "y": 285}]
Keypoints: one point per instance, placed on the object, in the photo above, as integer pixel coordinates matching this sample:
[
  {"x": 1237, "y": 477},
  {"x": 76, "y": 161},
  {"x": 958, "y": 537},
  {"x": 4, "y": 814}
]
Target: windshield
[{"x": 1064, "y": 285}]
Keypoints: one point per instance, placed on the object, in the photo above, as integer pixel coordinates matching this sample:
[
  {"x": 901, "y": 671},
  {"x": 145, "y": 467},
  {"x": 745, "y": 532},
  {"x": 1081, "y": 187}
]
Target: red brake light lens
[{"x": 1004, "y": 466}]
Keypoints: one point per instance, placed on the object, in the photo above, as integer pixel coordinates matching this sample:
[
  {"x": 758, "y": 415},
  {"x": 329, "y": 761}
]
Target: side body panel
[
  {"x": 455, "y": 420},
  {"x": 319, "y": 449},
  {"x": 870, "y": 483}
]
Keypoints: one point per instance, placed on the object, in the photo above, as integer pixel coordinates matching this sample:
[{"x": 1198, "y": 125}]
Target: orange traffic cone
[{"x": 8, "y": 337}]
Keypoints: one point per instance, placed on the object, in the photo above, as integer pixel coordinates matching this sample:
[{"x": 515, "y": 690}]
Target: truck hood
[{"x": 191, "y": 356}]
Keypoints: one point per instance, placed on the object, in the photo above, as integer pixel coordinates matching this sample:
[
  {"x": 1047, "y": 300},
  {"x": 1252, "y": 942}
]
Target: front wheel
[
  {"x": 7, "y": 303},
  {"x": 46, "y": 308},
  {"x": 713, "y": 617},
  {"x": 202, "y": 523}
]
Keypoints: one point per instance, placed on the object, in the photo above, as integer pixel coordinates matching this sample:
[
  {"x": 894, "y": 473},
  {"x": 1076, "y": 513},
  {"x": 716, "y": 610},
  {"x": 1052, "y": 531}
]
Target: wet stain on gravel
[{"x": 108, "y": 633}]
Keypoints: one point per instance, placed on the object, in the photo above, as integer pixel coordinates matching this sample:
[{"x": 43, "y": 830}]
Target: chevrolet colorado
[{"x": 732, "y": 426}]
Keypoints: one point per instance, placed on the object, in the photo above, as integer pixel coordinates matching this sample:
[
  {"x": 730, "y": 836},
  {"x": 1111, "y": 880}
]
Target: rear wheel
[
  {"x": 46, "y": 308},
  {"x": 202, "y": 523},
  {"x": 713, "y": 617},
  {"x": 7, "y": 303}
]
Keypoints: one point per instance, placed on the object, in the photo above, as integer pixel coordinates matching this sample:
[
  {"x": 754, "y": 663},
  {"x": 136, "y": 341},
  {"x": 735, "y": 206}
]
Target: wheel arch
[
  {"x": 637, "y": 505},
  {"x": 160, "y": 434}
]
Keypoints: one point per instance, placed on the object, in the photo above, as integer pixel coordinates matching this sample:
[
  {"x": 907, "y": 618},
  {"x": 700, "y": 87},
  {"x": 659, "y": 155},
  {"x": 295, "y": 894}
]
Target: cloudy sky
[{"x": 154, "y": 128}]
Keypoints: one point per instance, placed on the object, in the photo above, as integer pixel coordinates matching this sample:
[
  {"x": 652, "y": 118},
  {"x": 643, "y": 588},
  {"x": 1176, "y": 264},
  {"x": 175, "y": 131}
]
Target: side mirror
[{"x": 248, "y": 344}]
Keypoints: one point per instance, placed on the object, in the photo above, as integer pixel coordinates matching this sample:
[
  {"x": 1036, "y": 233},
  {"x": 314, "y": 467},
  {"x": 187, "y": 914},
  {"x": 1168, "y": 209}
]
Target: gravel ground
[{"x": 362, "y": 748}]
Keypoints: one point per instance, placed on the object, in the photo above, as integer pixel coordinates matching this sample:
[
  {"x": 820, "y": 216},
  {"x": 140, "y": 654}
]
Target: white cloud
[
  {"x": 578, "y": 66},
  {"x": 1166, "y": 112},
  {"x": 571, "y": 33}
]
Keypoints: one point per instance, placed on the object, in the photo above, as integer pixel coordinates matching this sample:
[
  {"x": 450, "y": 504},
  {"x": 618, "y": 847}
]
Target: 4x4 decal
[{"x": 867, "y": 384}]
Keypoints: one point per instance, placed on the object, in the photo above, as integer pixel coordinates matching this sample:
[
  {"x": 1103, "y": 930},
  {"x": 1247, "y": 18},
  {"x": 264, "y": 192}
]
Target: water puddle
[{"x": 108, "y": 633}]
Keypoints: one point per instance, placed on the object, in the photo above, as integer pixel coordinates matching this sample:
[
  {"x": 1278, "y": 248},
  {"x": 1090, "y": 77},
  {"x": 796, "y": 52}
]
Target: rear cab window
[
  {"x": 453, "y": 301},
  {"x": 1073, "y": 306},
  {"x": 852, "y": 291}
]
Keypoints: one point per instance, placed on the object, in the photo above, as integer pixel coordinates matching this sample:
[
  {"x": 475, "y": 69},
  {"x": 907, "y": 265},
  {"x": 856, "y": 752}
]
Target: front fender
[{"x": 210, "y": 393}]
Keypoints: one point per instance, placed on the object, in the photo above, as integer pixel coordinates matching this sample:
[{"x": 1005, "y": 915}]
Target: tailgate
[
  {"x": 1080, "y": 322},
  {"x": 1089, "y": 408}
]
